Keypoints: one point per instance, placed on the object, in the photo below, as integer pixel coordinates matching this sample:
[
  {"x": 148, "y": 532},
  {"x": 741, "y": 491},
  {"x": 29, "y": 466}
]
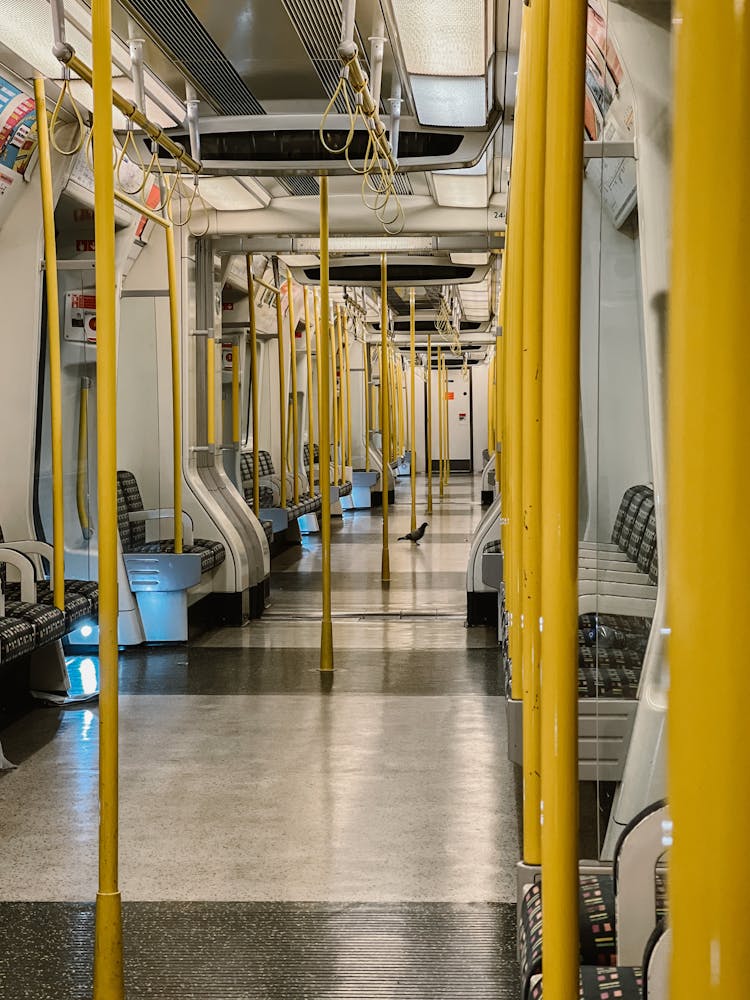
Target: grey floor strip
[{"x": 273, "y": 951}]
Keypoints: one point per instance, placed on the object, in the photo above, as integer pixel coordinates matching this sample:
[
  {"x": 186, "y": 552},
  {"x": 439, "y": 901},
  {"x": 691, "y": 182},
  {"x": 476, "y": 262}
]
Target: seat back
[
  {"x": 635, "y": 538},
  {"x": 265, "y": 463},
  {"x": 626, "y": 513},
  {"x": 127, "y": 482}
]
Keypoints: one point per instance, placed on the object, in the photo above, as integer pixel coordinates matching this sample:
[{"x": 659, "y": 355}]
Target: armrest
[
  {"x": 26, "y": 569},
  {"x": 30, "y": 546},
  {"x": 157, "y": 513}
]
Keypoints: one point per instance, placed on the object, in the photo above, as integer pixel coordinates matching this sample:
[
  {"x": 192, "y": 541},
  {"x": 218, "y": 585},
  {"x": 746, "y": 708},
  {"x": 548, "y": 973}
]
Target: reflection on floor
[{"x": 371, "y": 828}]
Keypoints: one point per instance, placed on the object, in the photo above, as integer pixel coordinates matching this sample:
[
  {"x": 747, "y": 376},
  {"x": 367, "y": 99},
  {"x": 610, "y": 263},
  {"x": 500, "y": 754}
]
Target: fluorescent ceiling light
[
  {"x": 230, "y": 194},
  {"x": 460, "y": 192},
  {"x": 452, "y": 101},
  {"x": 366, "y": 244},
  {"x": 441, "y": 37},
  {"x": 474, "y": 259}
]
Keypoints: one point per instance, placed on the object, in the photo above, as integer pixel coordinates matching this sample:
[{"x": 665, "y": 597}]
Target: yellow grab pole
[
  {"x": 318, "y": 355},
  {"x": 385, "y": 567},
  {"x": 491, "y": 374},
  {"x": 254, "y": 384},
  {"x": 82, "y": 470},
  {"x": 441, "y": 412},
  {"x": 413, "y": 408},
  {"x": 293, "y": 368},
  {"x": 108, "y": 958},
  {"x": 500, "y": 341},
  {"x": 366, "y": 378},
  {"x": 429, "y": 423},
  {"x": 535, "y": 108},
  {"x": 340, "y": 368},
  {"x": 447, "y": 424},
  {"x": 334, "y": 402},
  {"x": 348, "y": 383},
  {"x": 310, "y": 411},
  {"x": 708, "y": 484},
  {"x": 176, "y": 380},
  {"x": 53, "y": 338},
  {"x": 513, "y": 443},
  {"x": 283, "y": 401},
  {"x": 236, "y": 393},
  {"x": 560, "y": 339},
  {"x": 326, "y": 630},
  {"x": 210, "y": 390}
]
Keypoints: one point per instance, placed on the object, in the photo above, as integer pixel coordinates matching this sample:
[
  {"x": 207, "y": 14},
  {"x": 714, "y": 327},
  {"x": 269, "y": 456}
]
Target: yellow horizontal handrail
[{"x": 67, "y": 57}]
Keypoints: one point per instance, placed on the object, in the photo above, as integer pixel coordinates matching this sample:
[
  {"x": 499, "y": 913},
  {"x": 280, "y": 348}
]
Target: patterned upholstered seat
[
  {"x": 16, "y": 638},
  {"x": 81, "y": 597},
  {"x": 48, "y": 622},
  {"x": 270, "y": 489},
  {"x": 268, "y": 528},
  {"x": 133, "y": 533},
  {"x": 493, "y": 546},
  {"x": 601, "y": 984},
  {"x": 608, "y": 673},
  {"x": 344, "y": 488}
]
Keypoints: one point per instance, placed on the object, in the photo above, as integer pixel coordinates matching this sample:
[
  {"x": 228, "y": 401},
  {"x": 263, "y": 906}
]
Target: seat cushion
[
  {"x": 596, "y": 923},
  {"x": 493, "y": 546},
  {"x": 79, "y": 603},
  {"x": 212, "y": 553},
  {"x": 268, "y": 528},
  {"x": 608, "y": 673},
  {"x": 602, "y": 984},
  {"x": 16, "y": 638},
  {"x": 48, "y": 622},
  {"x": 344, "y": 489}
]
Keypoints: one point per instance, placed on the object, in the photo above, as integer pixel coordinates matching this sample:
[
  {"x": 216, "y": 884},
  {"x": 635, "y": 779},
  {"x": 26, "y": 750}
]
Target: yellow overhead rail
[
  {"x": 708, "y": 600},
  {"x": 108, "y": 956},
  {"x": 53, "y": 339},
  {"x": 559, "y": 593},
  {"x": 66, "y": 54}
]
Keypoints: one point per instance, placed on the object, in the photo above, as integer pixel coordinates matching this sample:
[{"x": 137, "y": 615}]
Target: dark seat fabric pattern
[
  {"x": 608, "y": 673},
  {"x": 49, "y": 623},
  {"x": 602, "y": 984},
  {"x": 133, "y": 533},
  {"x": 596, "y": 923},
  {"x": 16, "y": 638},
  {"x": 308, "y": 503}
]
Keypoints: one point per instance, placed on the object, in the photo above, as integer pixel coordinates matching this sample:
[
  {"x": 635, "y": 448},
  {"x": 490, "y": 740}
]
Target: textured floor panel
[{"x": 274, "y": 951}]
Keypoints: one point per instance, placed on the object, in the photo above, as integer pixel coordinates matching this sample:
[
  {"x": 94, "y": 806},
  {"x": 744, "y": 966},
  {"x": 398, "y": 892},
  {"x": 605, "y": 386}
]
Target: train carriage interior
[{"x": 373, "y": 545}]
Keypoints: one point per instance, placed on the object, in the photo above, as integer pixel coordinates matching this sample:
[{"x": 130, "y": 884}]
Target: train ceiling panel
[{"x": 403, "y": 272}]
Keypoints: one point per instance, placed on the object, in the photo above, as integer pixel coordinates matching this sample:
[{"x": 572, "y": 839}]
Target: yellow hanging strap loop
[{"x": 55, "y": 124}]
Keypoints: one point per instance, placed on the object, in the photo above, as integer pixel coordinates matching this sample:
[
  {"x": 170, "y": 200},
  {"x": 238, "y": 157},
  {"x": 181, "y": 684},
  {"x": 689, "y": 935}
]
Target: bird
[{"x": 414, "y": 536}]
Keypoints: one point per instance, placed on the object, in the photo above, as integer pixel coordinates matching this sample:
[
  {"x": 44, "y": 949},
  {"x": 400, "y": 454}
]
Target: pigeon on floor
[{"x": 414, "y": 536}]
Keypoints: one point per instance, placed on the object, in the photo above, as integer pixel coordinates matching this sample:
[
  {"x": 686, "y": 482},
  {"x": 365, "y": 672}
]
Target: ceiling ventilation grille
[
  {"x": 299, "y": 185},
  {"x": 174, "y": 26},
  {"x": 402, "y": 185},
  {"x": 318, "y": 24}
]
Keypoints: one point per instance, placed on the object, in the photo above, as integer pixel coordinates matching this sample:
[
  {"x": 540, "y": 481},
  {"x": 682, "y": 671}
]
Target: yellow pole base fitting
[{"x": 109, "y": 977}]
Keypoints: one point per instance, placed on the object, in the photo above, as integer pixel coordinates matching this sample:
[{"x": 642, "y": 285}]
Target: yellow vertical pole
[
  {"x": 366, "y": 378},
  {"x": 254, "y": 384},
  {"x": 82, "y": 500},
  {"x": 283, "y": 403},
  {"x": 108, "y": 959},
  {"x": 535, "y": 110},
  {"x": 236, "y": 393},
  {"x": 340, "y": 366},
  {"x": 210, "y": 390},
  {"x": 446, "y": 425},
  {"x": 326, "y": 630},
  {"x": 318, "y": 355},
  {"x": 441, "y": 419},
  {"x": 310, "y": 411},
  {"x": 176, "y": 379},
  {"x": 53, "y": 338},
  {"x": 334, "y": 401},
  {"x": 348, "y": 384},
  {"x": 708, "y": 484},
  {"x": 491, "y": 374},
  {"x": 413, "y": 408},
  {"x": 385, "y": 568},
  {"x": 429, "y": 423},
  {"x": 401, "y": 386},
  {"x": 293, "y": 368},
  {"x": 500, "y": 341},
  {"x": 560, "y": 339},
  {"x": 513, "y": 445}
]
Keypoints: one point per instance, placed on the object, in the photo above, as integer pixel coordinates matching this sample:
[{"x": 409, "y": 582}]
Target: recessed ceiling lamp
[
  {"x": 461, "y": 192},
  {"x": 234, "y": 194},
  {"x": 366, "y": 244}
]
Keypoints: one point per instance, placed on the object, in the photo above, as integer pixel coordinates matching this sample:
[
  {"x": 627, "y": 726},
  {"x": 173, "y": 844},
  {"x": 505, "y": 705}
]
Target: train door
[{"x": 460, "y": 419}]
